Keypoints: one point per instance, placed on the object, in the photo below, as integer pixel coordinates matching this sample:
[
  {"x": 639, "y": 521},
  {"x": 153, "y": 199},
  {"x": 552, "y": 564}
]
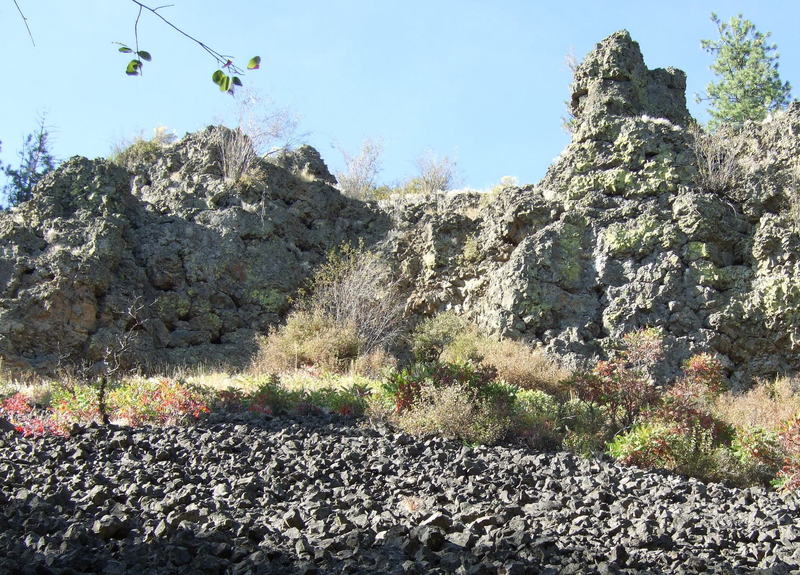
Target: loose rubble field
[{"x": 325, "y": 494}]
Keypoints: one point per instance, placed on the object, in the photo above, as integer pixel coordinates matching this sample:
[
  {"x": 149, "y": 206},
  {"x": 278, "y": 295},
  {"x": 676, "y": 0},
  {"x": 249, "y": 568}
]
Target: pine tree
[
  {"x": 35, "y": 160},
  {"x": 749, "y": 86}
]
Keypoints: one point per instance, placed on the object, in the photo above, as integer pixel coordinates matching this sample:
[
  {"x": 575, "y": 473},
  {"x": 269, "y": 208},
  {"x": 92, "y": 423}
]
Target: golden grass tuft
[
  {"x": 307, "y": 339},
  {"x": 521, "y": 365},
  {"x": 769, "y": 404}
]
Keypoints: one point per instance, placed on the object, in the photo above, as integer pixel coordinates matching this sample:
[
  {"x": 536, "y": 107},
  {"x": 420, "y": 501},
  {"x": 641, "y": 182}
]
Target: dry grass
[
  {"x": 769, "y": 405},
  {"x": 307, "y": 339},
  {"x": 34, "y": 386},
  {"x": 523, "y": 366},
  {"x": 374, "y": 365},
  {"x": 451, "y": 338},
  {"x": 411, "y": 504},
  {"x": 216, "y": 380},
  {"x": 237, "y": 156},
  {"x": 718, "y": 156}
]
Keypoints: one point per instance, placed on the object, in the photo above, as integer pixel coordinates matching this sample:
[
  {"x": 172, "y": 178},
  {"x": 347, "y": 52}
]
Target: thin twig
[
  {"x": 25, "y": 21},
  {"x": 221, "y": 59},
  {"x": 136, "y": 30}
]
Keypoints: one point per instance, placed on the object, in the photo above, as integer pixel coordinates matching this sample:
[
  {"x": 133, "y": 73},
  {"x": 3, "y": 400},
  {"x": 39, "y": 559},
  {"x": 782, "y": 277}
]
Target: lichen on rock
[{"x": 622, "y": 233}]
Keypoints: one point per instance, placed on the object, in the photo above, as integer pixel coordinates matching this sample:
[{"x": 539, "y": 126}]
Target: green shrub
[
  {"x": 405, "y": 386},
  {"x": 267, "y": 395},
  {"x": 537, "y": 419},
  {"x": 657, "y": 445},
  {"x": 431, "y": 336},
  {"x": 454, "y": 400},
  {"x": 456, "y": 411},
  {"x": 351, "y": 401},
  {"x": 760, "y": 456},
  {"x": 538, "y": 405},
  {"x": 645, "y": 445}
]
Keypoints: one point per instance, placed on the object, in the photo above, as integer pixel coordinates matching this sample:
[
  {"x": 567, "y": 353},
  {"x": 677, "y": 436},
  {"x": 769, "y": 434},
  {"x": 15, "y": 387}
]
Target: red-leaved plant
[
  {"x": 623, "y": 385},
  {"x": 687, "y": 405},
  {"x": 19, "y": 411},
  {"x": 789, "y": 476}
]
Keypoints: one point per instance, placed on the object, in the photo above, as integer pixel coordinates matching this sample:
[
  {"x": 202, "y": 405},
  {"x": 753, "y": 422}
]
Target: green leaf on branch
[
  {"x": 254, "y": 63},
  {"x": 222, "y": 80},
  {"x": 144, "y": 55},
  {"x": 125, "y": 50},
  {"x": 134, "y": 68},
  {"x": 237, "y": 81}
]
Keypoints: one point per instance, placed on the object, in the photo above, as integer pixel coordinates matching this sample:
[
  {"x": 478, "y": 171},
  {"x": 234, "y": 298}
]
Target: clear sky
[{"x": 481, "y": 81}]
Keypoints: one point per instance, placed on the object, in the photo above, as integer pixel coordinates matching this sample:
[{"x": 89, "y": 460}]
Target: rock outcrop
[
  {"x": 176, "y": 264},
  {"x": 631, "y": 227},
  {"x": 625, "y": 231}
]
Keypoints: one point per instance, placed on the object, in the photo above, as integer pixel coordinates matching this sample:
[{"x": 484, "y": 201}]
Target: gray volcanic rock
[
  {"x": 614, "y": 81},
  {"x": 625, "y": 231},
  {"x": 323, "y": 495},
  {"x": 204, "y": 264}
]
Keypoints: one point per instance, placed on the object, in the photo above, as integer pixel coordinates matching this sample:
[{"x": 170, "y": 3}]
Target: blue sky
[{"x": 482, "y": 82}]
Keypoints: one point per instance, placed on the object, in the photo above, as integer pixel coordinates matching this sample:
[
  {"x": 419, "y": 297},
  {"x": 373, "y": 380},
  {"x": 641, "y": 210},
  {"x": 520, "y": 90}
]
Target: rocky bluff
[{"x": 631, "y": 227}]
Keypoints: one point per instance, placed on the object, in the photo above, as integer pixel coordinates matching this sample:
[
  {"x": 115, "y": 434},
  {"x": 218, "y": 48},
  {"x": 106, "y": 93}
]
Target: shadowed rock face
[
  {"x": 205, "y": 264},
  {"x": 622, "y": 233}
]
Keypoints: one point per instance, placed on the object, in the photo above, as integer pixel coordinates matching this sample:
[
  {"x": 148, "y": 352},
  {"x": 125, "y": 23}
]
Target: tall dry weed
[{"x": 768, "y": 405}]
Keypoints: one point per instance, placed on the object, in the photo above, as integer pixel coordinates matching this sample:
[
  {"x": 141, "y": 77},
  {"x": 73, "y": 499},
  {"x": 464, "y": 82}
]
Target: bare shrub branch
[
  {"x": 717, "y": 156},
  {"x": 236, "y": 153},
  {"x": 358, "y": 179},
  {"x": 356, "y": 288},
  {"x": 435, "y": 173},
  {"x": 262, "y": 129},
  {"x": 271, "y": 129}
]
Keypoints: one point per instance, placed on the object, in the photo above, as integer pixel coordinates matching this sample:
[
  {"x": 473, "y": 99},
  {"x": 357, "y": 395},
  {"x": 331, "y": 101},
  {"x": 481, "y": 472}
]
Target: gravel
[{"x": 247, "y": 494}]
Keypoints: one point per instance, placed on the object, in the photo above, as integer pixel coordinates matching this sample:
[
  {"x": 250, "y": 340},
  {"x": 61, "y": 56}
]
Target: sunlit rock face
[{"x": 628, "y": 229}]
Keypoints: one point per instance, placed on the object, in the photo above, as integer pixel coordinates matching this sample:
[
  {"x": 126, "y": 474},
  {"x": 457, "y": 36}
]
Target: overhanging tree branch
[
  {"x": 226, "y": 77},
  {"x": 222, "y": 59},
  {"x": 25, "y": 21}
]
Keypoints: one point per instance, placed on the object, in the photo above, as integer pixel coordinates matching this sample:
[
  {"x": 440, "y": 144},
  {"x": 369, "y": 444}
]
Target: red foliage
[
  {"x": 174, "y": 400},
  {"x": 705, "y": 370},
  {"x": 17, "y": 404},
  {"x": 688, "y": 403},
  {"x": 790, "y": 474},
  {"x": 623, "y": 389},
  {"x": 20, "y": 412},
  {"x": 38, "y": 426}
]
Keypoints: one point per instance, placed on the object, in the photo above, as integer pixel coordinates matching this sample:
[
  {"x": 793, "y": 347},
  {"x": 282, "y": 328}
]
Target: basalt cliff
[{"x": 642, "y": 221}]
